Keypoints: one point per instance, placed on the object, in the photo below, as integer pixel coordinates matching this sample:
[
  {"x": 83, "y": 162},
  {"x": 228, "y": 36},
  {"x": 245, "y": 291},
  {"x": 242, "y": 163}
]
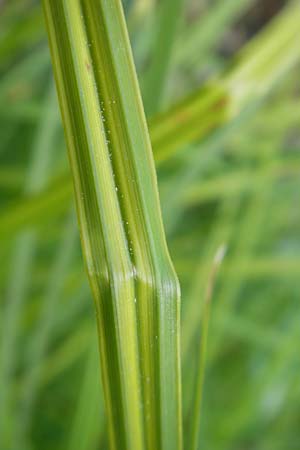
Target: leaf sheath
[{"x": 134, "y": 286}]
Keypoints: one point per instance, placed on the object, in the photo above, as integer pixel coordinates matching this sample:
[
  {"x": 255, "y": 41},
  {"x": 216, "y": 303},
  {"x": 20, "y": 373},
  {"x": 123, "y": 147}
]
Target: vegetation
[{"x": 219, "y": 86}]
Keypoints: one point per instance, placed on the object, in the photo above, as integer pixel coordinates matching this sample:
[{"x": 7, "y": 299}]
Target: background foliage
[{"x": 234, "y": 181}]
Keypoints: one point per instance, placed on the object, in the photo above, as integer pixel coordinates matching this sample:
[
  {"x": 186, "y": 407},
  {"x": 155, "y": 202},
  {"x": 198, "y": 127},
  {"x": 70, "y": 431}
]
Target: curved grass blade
[
  {"x": 195, "y": 428},
  {"x": 260, "y": 66},
  {"x": 132, "y": 279}
]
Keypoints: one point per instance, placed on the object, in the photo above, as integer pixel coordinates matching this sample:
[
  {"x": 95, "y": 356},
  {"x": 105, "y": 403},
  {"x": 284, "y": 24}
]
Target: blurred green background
[{"x": 228, "y": 174}]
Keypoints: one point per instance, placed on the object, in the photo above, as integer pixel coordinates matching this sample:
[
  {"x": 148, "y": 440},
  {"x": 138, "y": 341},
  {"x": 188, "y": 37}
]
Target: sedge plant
[{"x": 223, "y": 129}]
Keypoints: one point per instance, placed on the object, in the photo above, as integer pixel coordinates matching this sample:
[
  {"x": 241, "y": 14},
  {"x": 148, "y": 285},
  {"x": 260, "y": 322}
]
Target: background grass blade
[
  {"x": 88, "y": 423},
  {"x": 200, "y": 370},
  {"x": 166, "y": 27},
  {"x": 195, "y": 44},
  {"x": 25, "y": 246},
  {"x": 41, "y": 336},
  {"x": 221, "y": 104}
]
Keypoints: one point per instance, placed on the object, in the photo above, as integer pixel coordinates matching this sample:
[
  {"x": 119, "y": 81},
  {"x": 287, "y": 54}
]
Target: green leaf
[
  {"x": 165, "y": 29},
  {"x": 201, "y": 363},
  {"x": 134, "y": 286}
]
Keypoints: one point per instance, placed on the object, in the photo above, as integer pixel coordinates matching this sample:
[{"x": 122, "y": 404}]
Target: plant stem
[{"x": 135, "y": 288}]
